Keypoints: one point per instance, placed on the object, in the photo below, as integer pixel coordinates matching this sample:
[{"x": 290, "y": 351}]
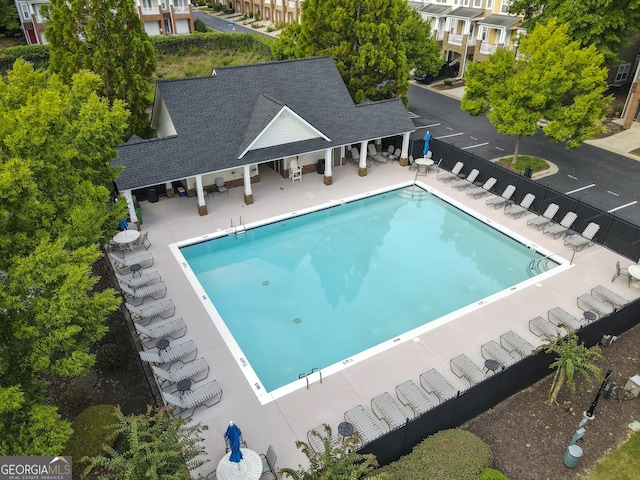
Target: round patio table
[
  {"x": 249, "y": 468},
  {"x": 126, "y": 237}
]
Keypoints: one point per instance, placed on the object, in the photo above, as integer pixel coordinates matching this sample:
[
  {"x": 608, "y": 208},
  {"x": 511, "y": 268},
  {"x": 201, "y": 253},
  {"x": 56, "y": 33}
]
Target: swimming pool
[{"x": 314, "y": 291}]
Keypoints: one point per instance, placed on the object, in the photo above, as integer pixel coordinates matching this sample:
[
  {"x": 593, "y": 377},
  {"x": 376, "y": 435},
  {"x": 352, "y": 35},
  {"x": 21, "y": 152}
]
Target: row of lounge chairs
[
  {"x": 181, "y": 397},
  {"x": 509, "y": 350},
  {"x": 545, "y": 221}
]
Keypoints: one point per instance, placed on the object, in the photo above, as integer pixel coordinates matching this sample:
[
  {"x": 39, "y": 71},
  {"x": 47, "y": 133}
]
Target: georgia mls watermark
[{"x": 35, "y": 468}]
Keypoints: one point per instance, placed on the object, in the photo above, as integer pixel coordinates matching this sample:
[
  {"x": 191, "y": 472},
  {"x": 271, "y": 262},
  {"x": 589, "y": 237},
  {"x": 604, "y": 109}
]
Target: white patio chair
[
  {"x": 143, "y": 241},
  {"x": 164, "y": 309},
  {"x": 295, "y": 172},
  {"x": 122, "y": 265},
  {"x": 166, "y": 329},
  {"x": 170, "y": 354},
  {"x": 578, "y": 241},
  {"x": 208, "y": 394},
  {"x": 138, "y": 295},
  {"x": 181, "y": 372}
]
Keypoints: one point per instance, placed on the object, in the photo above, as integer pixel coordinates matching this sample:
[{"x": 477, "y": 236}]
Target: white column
[
  {"x": 202, "y": 204},
  {"x": 130, "y": 206},
  {"x": 362, "y": 165},
  {"x": 248, "y": 195},
  {"x": 328, "y": 165},
  {"x": 404, "y": 156}
]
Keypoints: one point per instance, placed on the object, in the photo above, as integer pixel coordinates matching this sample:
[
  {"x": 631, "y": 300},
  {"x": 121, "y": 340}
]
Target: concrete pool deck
[{"x": 286, "y": 419}]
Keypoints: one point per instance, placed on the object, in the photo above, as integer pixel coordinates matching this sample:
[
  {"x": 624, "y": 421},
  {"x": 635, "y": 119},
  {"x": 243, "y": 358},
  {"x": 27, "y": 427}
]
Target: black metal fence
[
  {"x": 616, "y": 233},
  {"x": 493, "y": 390}
]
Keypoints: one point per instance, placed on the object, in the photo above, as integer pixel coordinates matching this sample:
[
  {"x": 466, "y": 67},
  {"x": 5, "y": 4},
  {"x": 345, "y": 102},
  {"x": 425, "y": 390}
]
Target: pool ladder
[
  {"x": 306, "y": 375},
  {"x": 240, "y": 231}
]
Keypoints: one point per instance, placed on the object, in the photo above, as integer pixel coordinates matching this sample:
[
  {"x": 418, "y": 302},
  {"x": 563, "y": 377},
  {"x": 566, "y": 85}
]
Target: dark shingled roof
[
  {"x": 217, "y": 117},
  {"x": 434, "y": 9},
  {"x": 499, "y": 20},
  {"x": 466, "y": 12}
]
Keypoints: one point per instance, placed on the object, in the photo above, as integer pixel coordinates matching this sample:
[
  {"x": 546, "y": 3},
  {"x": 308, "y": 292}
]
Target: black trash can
[
  {"x": 528, "y": 172},
  {"x": 152, "y": 195},
  {"x": 320, "y": 166},
  {"x": 138, "y": 210}
]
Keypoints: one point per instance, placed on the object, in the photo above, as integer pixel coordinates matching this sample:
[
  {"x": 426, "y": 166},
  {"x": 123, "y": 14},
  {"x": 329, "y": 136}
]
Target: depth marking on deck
[
  {"x": 474, "y": 146},
  {"x": 572, "y": 177},
  {"x": 622, "y": 206},
  {"x": 447, "y": 136},
  {"x": 613, "y": 193},
  {"x": 581, "y": 188}
]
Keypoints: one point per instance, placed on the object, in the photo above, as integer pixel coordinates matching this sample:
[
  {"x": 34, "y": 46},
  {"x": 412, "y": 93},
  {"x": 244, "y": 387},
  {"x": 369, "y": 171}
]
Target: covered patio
[{"x": 243, "y": 121}]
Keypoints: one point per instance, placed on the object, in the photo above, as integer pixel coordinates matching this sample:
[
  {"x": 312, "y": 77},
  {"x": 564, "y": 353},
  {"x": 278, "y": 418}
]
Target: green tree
[
  {"x": 552, "y": 78},
  {"x": 9, "y": 20},
  {"x": 106, "y": 37},
  {"x": 56, "y": 144},
  {"x": 423, "y": 51},
  {"x": 572, "y": 359},
  {"x": 606, "y": 24},
  {"x": 337, "y": 461},
  {"x": 156, "y": 445},
  {"x": 373, "y": 42}
]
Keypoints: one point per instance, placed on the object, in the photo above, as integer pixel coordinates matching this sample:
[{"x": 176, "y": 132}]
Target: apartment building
[
  {"x": 160, "y": 17},
  {"x": 275, "y": 11}
]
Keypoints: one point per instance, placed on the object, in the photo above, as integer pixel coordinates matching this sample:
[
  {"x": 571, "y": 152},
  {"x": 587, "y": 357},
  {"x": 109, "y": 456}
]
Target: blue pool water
[{"x": 313, "y": 290}]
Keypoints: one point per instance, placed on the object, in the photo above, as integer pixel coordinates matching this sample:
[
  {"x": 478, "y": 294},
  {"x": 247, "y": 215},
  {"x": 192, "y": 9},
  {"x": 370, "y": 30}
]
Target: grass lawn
[
  {"x": 621, "y": 464},
  {"x": 537, "y": 164},
  {"x": 201, "y": 64}
]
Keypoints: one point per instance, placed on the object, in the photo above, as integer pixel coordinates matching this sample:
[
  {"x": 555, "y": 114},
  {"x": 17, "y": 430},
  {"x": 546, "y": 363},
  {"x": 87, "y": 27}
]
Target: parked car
[{"x": 449, "y": 69}]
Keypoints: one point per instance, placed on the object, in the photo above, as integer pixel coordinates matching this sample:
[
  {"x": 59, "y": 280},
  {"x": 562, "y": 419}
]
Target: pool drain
[
  {"x": 265, "y": 283},
  {"x": 297, "y": 321}
]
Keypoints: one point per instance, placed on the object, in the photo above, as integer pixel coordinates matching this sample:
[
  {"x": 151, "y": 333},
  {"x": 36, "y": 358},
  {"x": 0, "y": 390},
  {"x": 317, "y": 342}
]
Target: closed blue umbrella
[
  {"x": 233, "y": 434},
  {"x": 427, "y": 141}
]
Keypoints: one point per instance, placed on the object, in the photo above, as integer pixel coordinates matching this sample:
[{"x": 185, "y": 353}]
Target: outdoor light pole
[{"x": 589, "y": 413}]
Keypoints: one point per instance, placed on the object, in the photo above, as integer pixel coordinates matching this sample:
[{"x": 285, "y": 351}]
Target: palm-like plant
[
  {"x": 572, "y": 358},
  {"x": 338, "y": 460}
]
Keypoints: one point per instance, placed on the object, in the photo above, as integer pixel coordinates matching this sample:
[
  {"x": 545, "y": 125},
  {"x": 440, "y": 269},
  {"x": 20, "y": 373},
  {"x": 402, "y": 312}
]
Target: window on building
[
  {"x": 477, "y": 3},
  {"x": 623, "y": 72},
  {"x": 505, "y": 6},
  {"x": 147, "y": 5},
  {"x": 489, "y": 4},
  {"x": 24, "y": 8}
]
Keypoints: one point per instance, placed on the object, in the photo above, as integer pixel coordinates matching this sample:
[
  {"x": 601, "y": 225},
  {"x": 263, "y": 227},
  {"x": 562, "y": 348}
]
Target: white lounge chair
[
  {"x": 513, "y": 342},
  {"x": 463, "y": 183},
  {"x": 397, "y": 153},
  {"x": 448, "y": 176},
  {"x": 164, "y": 309},
  {"x": 589, "y": 304},
  {"x": 375, "y": 156},
  {"x": 389, "y": 152},
  {"x": 413, "y": 396},
  {"x": 166, "y": 329},
  {"x": 170, "y": 354},
  {"x": 578, "y": 241},
  {"x": 542, "y": 327},
  {"x": 316, "y": 439},
  {"x": 123, "y": 265},
  {"x": 498, "y": 201},
  {"x": 494, "y": 351},
  {"x": 463, "y": 366},
  {"x": 388, "y": 409},
  {"x": 363, "y": 423},
  {"x": 355, "y": 157},
  {"x": 547, "y": 217},
  {"x": 135, "y": 282},
  {"x": 478, "y": 192},
  {"x": 605, "y": 295},
  {"x": 208, "y": 394},
  {"x": 558, "y": 229},
  {"x": 138, "y": 295},
  {"x": 523, "y": 207},
  {"x": 561, "y": 317},
  {"x": 433, "y": 382},
  {"x": 295, "y": 171},
  {"x": 181, "y": 372}
]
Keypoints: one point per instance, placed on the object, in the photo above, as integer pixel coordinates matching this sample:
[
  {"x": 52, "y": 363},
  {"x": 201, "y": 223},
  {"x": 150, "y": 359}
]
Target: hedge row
[{"x": 38, "y": 55}]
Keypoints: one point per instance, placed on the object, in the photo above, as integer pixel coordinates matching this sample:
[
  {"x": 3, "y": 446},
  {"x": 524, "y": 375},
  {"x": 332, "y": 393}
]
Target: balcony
[
  {"x": 155, "y": 10},
  {"x": 279, "y": 3},
  {"x": 487, "y": 48},
  {"x": 455, "y": 39},
  {"x": 181, "y": 8},
  {"x": 291, "y": 4}
]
